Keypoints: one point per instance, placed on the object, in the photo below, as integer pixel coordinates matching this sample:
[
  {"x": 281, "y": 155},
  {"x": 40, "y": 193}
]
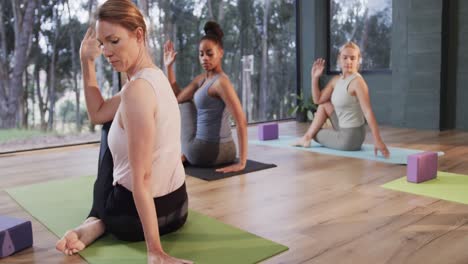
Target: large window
[
  {"x": 41, "y": 94},
  {"x": 259, "y": 47},
  {"x": 368, "y": 23},
  {"x": 48, "y": 107}
]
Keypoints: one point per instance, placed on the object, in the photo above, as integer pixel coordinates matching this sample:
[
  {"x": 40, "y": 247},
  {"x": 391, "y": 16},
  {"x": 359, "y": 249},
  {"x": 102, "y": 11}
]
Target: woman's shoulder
[
  {"x": 199, "y": 79},
  {"x": 358, "y": 82},
  {"x": 357, "y": 78},
  {"x": 137, "y": 88},
  {"x": 334, "y": 79},
  {"x": 151, "y": 75},
  {"x": 223, "y": 79}
]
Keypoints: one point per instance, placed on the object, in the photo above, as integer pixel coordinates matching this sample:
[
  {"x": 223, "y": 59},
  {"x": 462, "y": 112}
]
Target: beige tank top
[
  {"x": 346, "y": 106},
  {"x": 168, "y": 173}
]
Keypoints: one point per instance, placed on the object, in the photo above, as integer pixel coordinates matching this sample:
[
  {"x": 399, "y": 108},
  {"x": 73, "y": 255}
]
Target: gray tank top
[
  {"x": 346, "y": 106},
  {"x": 212, "y": 115}
]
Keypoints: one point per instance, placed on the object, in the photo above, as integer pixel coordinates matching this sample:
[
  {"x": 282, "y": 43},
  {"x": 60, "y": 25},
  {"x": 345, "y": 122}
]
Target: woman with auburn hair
[
  {"x": 345, "y": 101},
  {"x": 139, "y": 193}
]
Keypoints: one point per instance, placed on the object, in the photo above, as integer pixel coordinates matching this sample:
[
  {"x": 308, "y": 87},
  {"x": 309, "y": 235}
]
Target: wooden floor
[{"x": 326, "y": 209}]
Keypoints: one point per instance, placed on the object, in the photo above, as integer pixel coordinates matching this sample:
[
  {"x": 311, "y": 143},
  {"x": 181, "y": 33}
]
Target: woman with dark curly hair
[{"x": 205, "y": 105}]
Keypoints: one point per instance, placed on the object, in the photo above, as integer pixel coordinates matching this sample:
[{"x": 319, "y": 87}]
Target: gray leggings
[
  {"x": 341, "y": 138},
  {"x": 200, "y": 152}
]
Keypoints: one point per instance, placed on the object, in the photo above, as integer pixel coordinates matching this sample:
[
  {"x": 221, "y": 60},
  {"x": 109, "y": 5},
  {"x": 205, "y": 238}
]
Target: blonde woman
[{"x": 345, "y": 101}]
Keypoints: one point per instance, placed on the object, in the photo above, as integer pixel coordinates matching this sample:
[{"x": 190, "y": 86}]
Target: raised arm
[
  {"x": 359, "y": 87},
  {"x": 169, "y": 59},
  {"x": 187, "y": 93},
  {"x": 226, "y": 91},
  {"x": 99, "y": 110},
  {"x": 320, "y": 96},
  {"x": 137, "y": 115}
]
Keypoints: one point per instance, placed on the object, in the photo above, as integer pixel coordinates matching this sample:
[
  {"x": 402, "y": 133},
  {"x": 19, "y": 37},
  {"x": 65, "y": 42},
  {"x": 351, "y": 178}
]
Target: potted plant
[{"x": 304, "y": 108}]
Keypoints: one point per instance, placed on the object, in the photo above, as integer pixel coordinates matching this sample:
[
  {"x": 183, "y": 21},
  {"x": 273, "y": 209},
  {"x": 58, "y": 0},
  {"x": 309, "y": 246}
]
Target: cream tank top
[
  {"x": 168, "y": 173},
  {"x": 347, "y": 107}
]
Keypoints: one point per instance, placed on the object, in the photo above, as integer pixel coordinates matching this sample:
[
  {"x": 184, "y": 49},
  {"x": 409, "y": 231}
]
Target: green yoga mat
[
  {"x": 447, "y": 186},
  {"x": 61, "y": 205}
]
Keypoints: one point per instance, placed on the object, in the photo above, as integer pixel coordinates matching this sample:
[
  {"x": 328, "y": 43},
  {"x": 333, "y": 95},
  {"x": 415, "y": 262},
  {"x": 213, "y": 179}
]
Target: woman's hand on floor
[
  {"x": 161, "y": 257},
  {"x": 380, "y": 146},
  {"x": 232, "y": 168}
]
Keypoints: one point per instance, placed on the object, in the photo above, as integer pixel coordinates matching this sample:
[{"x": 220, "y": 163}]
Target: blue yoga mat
[{"x": 397, "y": 155}]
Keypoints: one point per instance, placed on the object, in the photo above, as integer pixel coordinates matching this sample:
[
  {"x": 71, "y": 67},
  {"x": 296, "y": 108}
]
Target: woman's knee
[
  {"x": 199, "y": 159},
  {"x": 201, "y": 153},
  {"x": 227, "y": 153},
  {"x": 187, "y": 108}
]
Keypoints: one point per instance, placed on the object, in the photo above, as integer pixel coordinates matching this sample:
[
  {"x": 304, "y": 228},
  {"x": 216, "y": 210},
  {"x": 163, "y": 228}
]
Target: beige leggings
[{"x": 341, "y": 138}]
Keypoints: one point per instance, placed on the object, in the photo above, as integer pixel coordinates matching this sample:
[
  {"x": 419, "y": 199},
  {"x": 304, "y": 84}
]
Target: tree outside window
[
  {"x": 41, "y": 94},
  {"x": 368, "y": 23}
]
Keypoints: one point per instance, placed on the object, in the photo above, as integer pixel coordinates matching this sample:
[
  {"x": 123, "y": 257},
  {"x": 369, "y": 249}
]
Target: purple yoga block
[
  {"x": 15, "y": 235},
  {"x": 421, "y": 167},
  {"x": 268, "y": 131}
]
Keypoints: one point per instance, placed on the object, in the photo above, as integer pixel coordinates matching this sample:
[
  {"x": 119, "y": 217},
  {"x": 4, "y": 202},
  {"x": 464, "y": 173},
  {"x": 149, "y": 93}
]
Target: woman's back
[{"x": 167, "y": 171}]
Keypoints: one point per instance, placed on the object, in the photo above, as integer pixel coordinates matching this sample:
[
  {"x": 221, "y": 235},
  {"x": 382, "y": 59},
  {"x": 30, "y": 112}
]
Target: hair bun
[{"x": 213, "y": 28}]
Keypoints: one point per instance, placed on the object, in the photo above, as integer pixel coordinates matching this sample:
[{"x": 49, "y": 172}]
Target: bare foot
[
  {"x": 302, "y": 142},
  {"x": 70, "y": 243},
  {"x": 77, "y": 239}
]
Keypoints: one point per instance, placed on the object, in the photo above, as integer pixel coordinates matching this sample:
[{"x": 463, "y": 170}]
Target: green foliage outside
[
  {"x": 368, "y": 24},
  {"x": 301, "y": 106},
  {"x": 7, "y": 135},
  {"x": 51, "y": 98}
]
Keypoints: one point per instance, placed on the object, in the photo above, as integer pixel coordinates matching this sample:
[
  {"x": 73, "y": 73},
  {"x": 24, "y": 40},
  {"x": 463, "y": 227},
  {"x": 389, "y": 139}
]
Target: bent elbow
[
  {"x": 141, "y": 181},
  {"x": 180, "y": 98},
  {"x": 318, "y": 101},
  {"x": 93, "y": 119},
  {"x": 315, "y": 101}
]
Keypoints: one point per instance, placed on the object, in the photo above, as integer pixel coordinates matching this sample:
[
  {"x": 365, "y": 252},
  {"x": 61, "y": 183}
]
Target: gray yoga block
[{"x": 15, "y": 235}]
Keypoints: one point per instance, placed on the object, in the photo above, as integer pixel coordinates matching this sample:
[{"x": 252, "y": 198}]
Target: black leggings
[{"x": 115, "y": 206}]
